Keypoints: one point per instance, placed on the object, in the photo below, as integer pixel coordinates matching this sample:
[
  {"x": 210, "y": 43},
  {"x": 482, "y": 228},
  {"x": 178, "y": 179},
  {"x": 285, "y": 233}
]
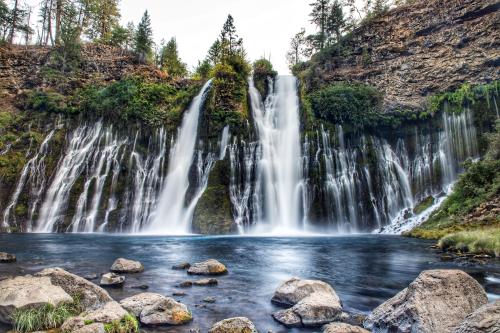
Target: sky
[{"x": 266, "y": 26}]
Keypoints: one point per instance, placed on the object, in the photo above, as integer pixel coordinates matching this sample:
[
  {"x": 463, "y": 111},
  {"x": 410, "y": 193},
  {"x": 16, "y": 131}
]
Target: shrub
[
  {"x": 44, "y": 317},
  {"x": 356, "y": 104},
  {"x": 48, "y": 101},
  {"x": 128, "y": 324},
  {"x": 262, "y": 71}
]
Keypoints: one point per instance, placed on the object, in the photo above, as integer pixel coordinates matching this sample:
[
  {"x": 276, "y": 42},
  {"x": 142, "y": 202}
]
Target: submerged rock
[
  {"x": 206, "y": 282},
  {"x": 166, "y": 311},
  {"x": 343, "y": 328},
  {"x": 28, "y": 291},
  {"x": 109, "y": 312},
  {"x": 208, "y": 267},
  {"x": 186, "y": 284},
  {"x": 112, "y": 280},
  {"x": 209, "y": 299},
  {"x": 234, "y": 325},
  {"x": 7, "y": 257},
  {"x": 181, "y": 266},
  {"x": 314, "y": 303},
  {"x": 90, "y": 295},
  {"x": 122, "y": 265},
  {"x": 436, "y": 301},
  {"x": 486, "y": 319}
]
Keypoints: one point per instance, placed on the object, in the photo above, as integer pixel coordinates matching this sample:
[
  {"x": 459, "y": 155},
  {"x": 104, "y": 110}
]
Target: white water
[
  {"x": 171, "y": 214},
  {"x": 279, "y": 168}
]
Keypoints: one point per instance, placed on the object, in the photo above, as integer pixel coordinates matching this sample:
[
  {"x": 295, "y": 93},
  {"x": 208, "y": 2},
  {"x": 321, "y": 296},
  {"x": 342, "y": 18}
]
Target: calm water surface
[{"x": 364, "y": 270}]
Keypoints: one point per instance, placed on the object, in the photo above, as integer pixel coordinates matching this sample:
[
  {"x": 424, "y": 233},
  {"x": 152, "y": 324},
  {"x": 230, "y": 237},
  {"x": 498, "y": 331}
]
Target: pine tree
[
  {"x": 379, "y": 7},
  {"x": 119, "y": 37},
  {"x": 170, "y": 61},
  {"x": 143, "y": 43},
  {"x": 214, "y": 53},
  {"x": 298, "y": 48},
  {"x": 4, "y": 20},
  {"x": 69, "y": 48},
  {"x": 101, "y": 18},
  {"x": 319, "y": 16},
  {"x": 230, "y": 43},
  {"x": 336, "y": 22},
  {"x": 17, "y": 21},
  {"x": 129, "y": 44},
  {"x": 203, "y": 69}
]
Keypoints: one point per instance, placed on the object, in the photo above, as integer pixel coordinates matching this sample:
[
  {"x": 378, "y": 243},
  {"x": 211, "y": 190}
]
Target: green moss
[
  {"x": 6, "y": 119},
  {"x": 479, "y": 241},
  {"x": 128, "y": 324},
  {"x": 423, "y": 205},
  {"x": 11, "y": 165}
]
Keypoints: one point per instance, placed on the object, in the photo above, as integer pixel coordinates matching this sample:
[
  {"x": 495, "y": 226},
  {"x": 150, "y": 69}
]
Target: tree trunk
[
  {"x": 13, "y": 25},
  {"x": 59, "y": 5}
]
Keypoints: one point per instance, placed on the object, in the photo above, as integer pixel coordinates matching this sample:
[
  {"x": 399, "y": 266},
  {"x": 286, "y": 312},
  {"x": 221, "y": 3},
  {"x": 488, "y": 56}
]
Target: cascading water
[
  {"x": 279, "y": 168},
  {"x": 171, "y": 215}
]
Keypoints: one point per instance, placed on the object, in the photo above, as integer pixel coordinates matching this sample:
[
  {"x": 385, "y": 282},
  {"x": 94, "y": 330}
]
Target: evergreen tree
[
  {"x": 379, "y": 7},
  {"x": 230, "y": 43},
  {"x": 170, "y": 61},
  {"x": 214, "y": 53},
  {"x": 143, "y": 43},
  {"x": 203, "y": 69},
  {"x": 319, "y": 16},
  {"x": 336, "y": 22},
  {"x": 298, "y": 48},
  {"x": 102, "y": 18},
  {"x": 119, "y": 37},
  {"x": 17, "y": 21},
  {"x": 129, "y": 44},
  {"x": 69, "y": 49},
  {"x": 4, "y": 20}
]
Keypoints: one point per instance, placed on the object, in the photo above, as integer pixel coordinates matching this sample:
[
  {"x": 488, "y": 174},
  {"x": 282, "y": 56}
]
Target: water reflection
[{"x": 364, "y": 270}]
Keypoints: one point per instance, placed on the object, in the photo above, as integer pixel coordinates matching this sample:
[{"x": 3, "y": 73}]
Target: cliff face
[{"x": 418, "y": 49}]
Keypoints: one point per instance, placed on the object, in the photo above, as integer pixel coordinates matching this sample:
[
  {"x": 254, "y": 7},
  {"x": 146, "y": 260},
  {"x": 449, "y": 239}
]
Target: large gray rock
[
  {"x": 292, "y": 291},
  {"x": 137, "y": 303},
  {"x": 28, "y": 291},
  {"x": 234, "y": 325},
  {"x": 109, "y": 312},
  {"x": 7, "y": 257},
  {"x": 486, "y": 319},
  {"x": 314, "y": 303},
  {"x": 112, "y": 280},
  {"x": 122, "y": 265},
  {"x": 343, "y": 328},
  {"x": 166, "y": 311},
  {"x": 209, "y": 267},
  {"x": 436, "y": 301},
  {"x": 90, "y": 295}
]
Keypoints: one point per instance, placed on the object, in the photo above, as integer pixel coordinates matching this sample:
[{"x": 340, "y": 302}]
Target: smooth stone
[
  {"x": 7, "y": 257},
  {"x": 91, "y": 277},
  {"x": 181, "y": 266},
  {"x": 90, "y": 295},
  {"x": 28, "y": 291},
  {"x": 295, "y": 289},
  {"x": 91, "y": 328},
  {"x": 166, "y": 311},
  {"x": 436, "y": 301},
  {"x": 122, "y": 265},
  {"x": 486, "y": 319},
  {"x": 343, "y": 328},
  {"x": 112, "y": 280},
  {"x": 179, "y": 294},
  {"x": 109, "y": 312},
  {"x": 209, "y": 299},
  {"x": 208, "y": 267},
  {"x": 141, "y": 286},
  {"x": 287, "y": 318},
  {"x": 206, "y": 282},
  {"x": 186, "y": 284},
  {"x": 137, "y": 303},
  {"x": 234, "y": 325}
]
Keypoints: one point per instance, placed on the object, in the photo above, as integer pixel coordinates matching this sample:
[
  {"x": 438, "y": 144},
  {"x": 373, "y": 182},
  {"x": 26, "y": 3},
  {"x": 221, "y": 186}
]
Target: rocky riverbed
[{"x": 341, "y": 279}]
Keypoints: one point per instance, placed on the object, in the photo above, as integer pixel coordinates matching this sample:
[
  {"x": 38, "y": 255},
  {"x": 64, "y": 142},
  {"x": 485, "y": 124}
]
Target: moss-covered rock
[{"x": 213, "y": 213}]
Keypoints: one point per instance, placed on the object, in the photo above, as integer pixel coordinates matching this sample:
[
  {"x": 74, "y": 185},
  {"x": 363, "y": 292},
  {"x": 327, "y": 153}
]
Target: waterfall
[
  {"x": 170, "y": 216},
  {"x": 224, "y": 142},
  {"x": 279, "y": 168}
]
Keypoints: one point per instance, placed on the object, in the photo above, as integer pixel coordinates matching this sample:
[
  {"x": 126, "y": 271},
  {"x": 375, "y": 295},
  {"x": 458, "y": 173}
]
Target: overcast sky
[{"x": 266, "y": 26}]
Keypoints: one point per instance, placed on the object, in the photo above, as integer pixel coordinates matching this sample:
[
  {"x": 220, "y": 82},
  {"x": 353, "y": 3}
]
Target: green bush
[
  {"x": 262, "y": 70},
  {"x": 48, "y": 101},
  {"x": 44, "y": 317},
  {"x": 356, "y": 104},
  {"x": 128, "y": 324}
]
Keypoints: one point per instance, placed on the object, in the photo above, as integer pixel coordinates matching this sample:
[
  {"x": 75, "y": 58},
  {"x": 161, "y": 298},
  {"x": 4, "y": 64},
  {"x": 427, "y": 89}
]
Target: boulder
[
  {"x": 91, "y": 328},
  {"x": 28, "y": 291},
  {"x": 343, "y": 328},
  {"x": 206, "y": 282},
  {"x": 436, "y": 301},
  {"x": 209, "y": 267},
  {"x": 109, "y": 312},
  {"x": 122, "y": 265},
  {"x": 90, "y": 295},
  {"x": 166, "y": 311},
  {"x": 292, "y": 291},
  {"x": 234, "y": 325},
  {"x": 7, "y": 257},
  {"x": 486, "y": 319},
  {"x": 137, "y": 303},
  {"x": 112, "y": 280},
  {"x": 181, "y": 266}
]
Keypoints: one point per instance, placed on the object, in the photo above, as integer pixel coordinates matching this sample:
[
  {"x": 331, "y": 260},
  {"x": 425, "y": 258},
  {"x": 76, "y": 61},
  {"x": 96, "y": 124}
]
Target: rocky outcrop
[
  {"x": 7, "y": 257},
  {"x": 417, "y": 49},
  {"x": 122, "y": 265},
  {"x": 209, "y": 267},
  {"x": 166, "y": 311},
  {"x": 343, "y": 328},
  {"x": 436, "y": 301},
  {"x": 234, "y": 325},
  {"x": 111, "y": 311},
  {"x": 90, "y": 295},
  {"x": 137, "y": 303},
  {"x": 28, "y": 291},
  {"x": 486, "y": 319},
  {"x": 314, "y": 303}
]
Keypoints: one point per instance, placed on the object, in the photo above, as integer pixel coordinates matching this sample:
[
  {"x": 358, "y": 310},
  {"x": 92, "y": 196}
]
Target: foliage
[
  {"x": 44, "y": 317},
  {"x": 143, "y": 41},
  {"x": 298, "y": 49},
  {"x": 478, "y": 241},
  {"x": 119, "y": 37},
  {"x": 356, "y": 104},
  {"x": 170, "y": 61},
  {"x": 128, "y": 324},
  {"x": 102, "y": 18},
  {"x": 262, "y": 71},
  {"x": 67, "y": 55},
  {"x": 202, "y": 71},
  {"x": 48, "y": 101}
]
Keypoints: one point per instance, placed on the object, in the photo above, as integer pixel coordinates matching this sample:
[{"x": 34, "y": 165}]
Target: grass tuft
[
  {"x": 128, "y": 324},
  {"x": 478, "y": 241}
]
